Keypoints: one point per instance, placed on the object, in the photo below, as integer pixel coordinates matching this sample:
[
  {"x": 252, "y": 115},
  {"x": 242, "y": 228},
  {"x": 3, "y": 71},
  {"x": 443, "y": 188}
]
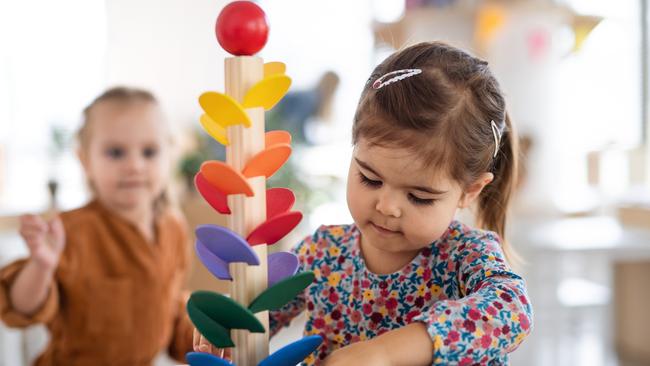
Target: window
[{"x": 51, "y": 62}]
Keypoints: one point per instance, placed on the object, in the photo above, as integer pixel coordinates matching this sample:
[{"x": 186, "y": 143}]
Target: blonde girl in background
[{"x": 106, "y": 278}]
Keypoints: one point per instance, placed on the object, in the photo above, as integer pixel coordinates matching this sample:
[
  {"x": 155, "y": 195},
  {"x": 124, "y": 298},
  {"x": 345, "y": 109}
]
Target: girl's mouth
[
  {"x": 384, "y": 231},
  {"x": 131, "y": 185}
]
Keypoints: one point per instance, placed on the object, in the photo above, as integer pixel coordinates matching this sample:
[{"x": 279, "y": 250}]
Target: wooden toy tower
[{"x": 257, "y": 216}]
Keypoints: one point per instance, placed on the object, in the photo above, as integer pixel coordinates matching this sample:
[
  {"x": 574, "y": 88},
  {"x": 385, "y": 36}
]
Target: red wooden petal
[
  {"x": 211, "y": 195},
  {"x": 224, "y": 178},
  {"x": 275, "y": 228},
  {"x": 278, "y": 200}
]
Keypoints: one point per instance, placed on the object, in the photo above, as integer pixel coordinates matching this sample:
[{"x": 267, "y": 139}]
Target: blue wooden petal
[
  {"x": 214, "y": 264},
  {"x": 281, "y": 265},
  {"x": 205, "y": 359},
  {"x": 293, "y": 353},
  {"x": 226, "y": 244}
]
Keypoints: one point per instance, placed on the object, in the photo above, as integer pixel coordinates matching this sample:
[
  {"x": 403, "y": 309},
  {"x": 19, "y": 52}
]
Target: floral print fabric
[{"x": 475, "y": 308}]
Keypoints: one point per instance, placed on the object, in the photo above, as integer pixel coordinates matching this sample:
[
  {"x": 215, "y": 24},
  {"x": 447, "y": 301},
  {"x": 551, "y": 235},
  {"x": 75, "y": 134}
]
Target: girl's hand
[
  {"x": 203, "y": 345},
  {"x": 45, "y": 240},
  {"x": 360, "y": 353}
]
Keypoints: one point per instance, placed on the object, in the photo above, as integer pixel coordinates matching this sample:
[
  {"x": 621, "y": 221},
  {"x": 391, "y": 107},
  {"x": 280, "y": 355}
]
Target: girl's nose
[
  {"x": 388, "y": 205},
  {"x": 135, "y": 162}
]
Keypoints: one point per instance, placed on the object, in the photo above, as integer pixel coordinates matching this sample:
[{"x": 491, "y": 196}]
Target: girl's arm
[
  {"x": 283, "y": 316},
  {"x": 30, "y": 289},
  {"x": 493, "y": 317},
  {"x": 491, "y": 320},
  {"x": 407, "y": 346},
  {"x": 45, "y": 241}
]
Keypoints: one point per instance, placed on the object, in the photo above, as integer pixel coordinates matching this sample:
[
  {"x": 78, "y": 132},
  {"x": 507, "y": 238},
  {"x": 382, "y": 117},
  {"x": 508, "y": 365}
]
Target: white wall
[{"x": 169, "y": 47}]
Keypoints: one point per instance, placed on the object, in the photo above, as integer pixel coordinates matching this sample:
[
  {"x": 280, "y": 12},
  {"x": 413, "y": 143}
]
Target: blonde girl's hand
[
  {"x": 203, "y": 345},
  {"x": 45, "y": 240}
]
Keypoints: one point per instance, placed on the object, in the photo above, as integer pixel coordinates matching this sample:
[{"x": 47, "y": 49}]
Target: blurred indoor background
[{"x": 575, "y": 74}]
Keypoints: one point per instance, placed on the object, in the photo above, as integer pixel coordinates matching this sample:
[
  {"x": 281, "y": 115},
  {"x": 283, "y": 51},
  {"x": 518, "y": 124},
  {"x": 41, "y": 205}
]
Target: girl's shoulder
[
  {"x": 460, "y": 232},
  {"x": 464, "y": 238},
  {"x": 86, "y": 216}
]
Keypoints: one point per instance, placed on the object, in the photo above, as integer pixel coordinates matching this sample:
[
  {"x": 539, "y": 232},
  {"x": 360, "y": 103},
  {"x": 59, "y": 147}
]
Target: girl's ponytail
[{"x": 495, "y": 197}]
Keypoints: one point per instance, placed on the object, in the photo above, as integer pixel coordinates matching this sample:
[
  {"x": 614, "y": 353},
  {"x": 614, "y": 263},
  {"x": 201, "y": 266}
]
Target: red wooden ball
[{"x": 241, "y": 28}]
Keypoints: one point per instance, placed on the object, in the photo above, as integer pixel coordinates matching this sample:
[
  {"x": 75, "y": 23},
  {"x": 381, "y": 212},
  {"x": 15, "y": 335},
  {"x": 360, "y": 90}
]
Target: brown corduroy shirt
[{"x": 116, "y": 299}]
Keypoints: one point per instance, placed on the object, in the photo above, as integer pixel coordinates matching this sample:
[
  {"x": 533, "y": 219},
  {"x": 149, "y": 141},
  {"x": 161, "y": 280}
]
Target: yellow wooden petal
[
  {"x": 214, "y": 129},
  {"x": 275, "y": 67},
  {"x": 267, "y": 92},
  {"x": 223, "y": 109}
]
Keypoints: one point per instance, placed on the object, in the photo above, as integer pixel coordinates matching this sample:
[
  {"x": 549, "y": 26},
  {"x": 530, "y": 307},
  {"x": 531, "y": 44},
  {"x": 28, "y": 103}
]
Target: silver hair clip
[
  {"x": 401, "y": 74},
  {"x": 497, "y": 137}
]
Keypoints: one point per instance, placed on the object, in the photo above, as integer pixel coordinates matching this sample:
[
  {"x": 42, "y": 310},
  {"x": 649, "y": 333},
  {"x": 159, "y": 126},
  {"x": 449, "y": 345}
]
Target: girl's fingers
[
  {"x": 57, "y": 233},
  {"x": 31, "y": 231},
  {"x": 227, "y": 353},
  {"x": 195, "y": 340},
  {"x": 33, "y": 221},
  {"x": 205, "y": 346},
  {"x": 33, "y": 240},
  {"x": 201, "y": 344}
]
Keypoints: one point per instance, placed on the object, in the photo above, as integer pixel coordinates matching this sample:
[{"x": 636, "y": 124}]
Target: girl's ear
[
  {"x": 474, "y": 190},
  {"x": 83, "y": 158}
]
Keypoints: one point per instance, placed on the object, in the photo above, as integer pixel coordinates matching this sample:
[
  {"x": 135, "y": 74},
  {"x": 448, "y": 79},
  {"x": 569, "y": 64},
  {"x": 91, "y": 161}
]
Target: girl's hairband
[
  {"x": 399, "y": 75},
  {"x": 402, "y": 74},
  {"x": 496, "y": 132}
]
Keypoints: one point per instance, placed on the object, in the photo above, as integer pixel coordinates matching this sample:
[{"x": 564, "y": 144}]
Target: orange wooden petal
[
  {"x": 224, "y": 178},
  {"x": 267, "y": 162},
  {"x": 275, "y": 228},
  {"x": 276, "y": 137}
]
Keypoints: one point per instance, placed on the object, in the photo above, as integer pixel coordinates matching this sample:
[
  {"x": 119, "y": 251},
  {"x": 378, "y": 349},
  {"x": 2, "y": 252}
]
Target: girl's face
[
  {"x": 125, "y": 158},
  {"x": 398, "y": 206}
]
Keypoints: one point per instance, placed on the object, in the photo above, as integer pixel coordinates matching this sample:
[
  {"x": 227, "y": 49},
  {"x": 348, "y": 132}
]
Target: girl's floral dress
[{"x": 475, "y": 308}]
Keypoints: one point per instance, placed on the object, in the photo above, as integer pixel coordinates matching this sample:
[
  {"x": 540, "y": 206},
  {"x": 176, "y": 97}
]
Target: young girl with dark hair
[{"x": 406, "y": 283}]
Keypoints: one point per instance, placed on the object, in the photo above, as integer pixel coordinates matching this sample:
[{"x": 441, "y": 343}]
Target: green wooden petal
[
  {"x": 215, "y": 333},
  {"x": 225, "y": 311},
  {"x": 281, "y": 293}
]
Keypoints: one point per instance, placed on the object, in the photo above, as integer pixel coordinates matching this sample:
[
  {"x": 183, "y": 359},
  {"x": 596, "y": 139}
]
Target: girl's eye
[
  {"x": 115, "y": 152},
  {"x": 369, "y": 182},
  {"x": 420, "y": 201},
  {"x": 150, "y": 152}
]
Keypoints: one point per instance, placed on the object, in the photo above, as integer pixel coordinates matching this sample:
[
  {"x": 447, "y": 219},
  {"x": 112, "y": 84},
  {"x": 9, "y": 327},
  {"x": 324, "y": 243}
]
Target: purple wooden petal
[
  {"x": 278, "y": 201},
  {"x": 214, "y": 264},
  {"x": 226, "y": 244},
  {"x": 281, "y": 266}
]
